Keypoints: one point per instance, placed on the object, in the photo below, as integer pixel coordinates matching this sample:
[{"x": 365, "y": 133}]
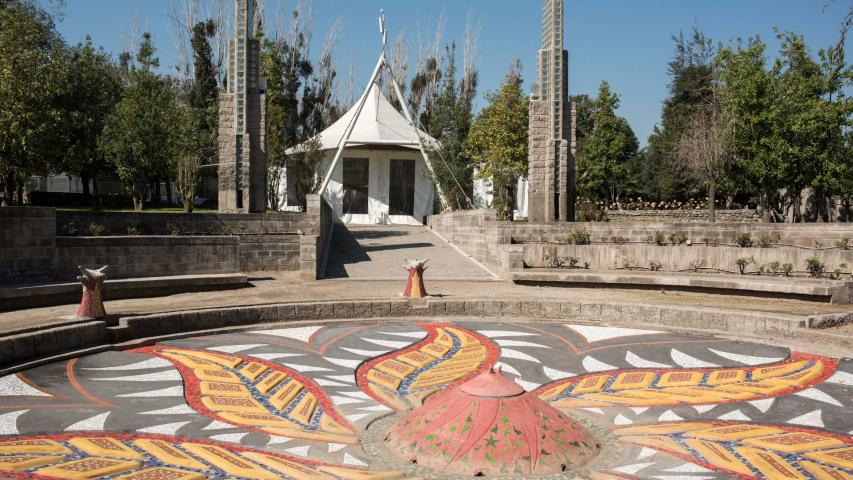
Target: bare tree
[
  {"x": 468, "y": 86},
  {"x": 428, "y": 67},
  {"x": 707, "y": 144},
  {"x": 399, "y": 62}
]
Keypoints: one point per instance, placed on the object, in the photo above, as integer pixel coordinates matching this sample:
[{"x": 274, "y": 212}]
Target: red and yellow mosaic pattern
[
  {"x": 750, "y": 451},
  {"x": 257, "y": 395},
  {"x": 157, "y": 457},
  {"x": 689, "y": 387},
  {"x": 449, "y": 354}
]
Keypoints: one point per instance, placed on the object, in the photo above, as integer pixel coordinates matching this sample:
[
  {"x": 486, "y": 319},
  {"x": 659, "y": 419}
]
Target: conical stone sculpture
[{"x": 489, "y": 426}]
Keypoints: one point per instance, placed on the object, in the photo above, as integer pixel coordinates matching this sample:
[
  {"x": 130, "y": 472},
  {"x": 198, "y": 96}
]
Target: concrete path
[{"x": 379, "y": 252}]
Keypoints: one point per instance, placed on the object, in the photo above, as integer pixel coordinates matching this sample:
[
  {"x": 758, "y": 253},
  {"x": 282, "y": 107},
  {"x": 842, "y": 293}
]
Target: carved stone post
[
  {"x": 92, "y": 304},
  {"x": 415, "y": 286}
]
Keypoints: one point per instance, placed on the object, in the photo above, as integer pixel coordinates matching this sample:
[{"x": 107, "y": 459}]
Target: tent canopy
[{"x": 379, "y": 123}]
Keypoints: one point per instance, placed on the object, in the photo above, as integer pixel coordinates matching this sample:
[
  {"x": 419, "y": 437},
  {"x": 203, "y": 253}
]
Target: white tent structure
[{"x": 376, "y": 170}]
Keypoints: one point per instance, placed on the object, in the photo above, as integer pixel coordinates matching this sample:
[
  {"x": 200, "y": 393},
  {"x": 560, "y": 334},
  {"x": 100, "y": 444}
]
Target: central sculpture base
[{"x": 489, "y": 426}]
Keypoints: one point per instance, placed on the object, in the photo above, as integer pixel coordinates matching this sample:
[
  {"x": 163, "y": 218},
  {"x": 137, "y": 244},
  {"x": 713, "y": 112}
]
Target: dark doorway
[
  {"x": 401, "y": 193},
  {"x": 356, "y": 180}
]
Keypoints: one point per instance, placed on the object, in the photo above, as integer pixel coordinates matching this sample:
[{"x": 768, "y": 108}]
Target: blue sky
[{"x": 626, "y": 42}]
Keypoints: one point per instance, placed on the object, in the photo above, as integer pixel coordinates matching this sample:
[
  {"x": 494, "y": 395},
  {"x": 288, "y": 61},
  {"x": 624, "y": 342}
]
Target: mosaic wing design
[
  {"x": 750, "y": 451},
  {"x": 449, "y": 354},
  {"x": 156, "y": 457},
  {"x": 256, "y": 395},
  {"x": 689, "y": 387}
]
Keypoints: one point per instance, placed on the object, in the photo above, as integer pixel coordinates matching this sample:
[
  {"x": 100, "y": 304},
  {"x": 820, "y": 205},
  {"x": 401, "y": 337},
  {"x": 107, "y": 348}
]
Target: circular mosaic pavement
[{"x": 302, "y": 402}]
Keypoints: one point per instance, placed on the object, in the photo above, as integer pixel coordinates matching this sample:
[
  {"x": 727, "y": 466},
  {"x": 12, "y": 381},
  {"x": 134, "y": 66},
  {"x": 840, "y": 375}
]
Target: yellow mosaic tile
[
  {"x": 436, "y": 350},
  {"x": 465, "y": 338},
  {"x": 725, "y": 377},
  {"x": 734, "y": 432},
  {"x": 224, "y": 360},
  {"x": 292, "y": 470},
  {"x": 224, "y": 389},
  {"x": 229, "y": 462},
  {"x": 633, "y": 380},
  {"x": 105, "y": 447},
  {"x": 188, "y": 361},
  {"x": 660, "y": 429},
  {"x": 796, "y": 379},
  {"x": 304, "y": 410},
  {"x": 382, "y": 378},
  {"x": 791, "y": 442},
  {"x": 13, "y": 463},
  {"x": 444, "y": 339},
  {"x": 168, "y": 453},
  {"x": 591, "y": 384},
  {"x": 416, "y": 359},
  {"x": 680, "y": 379},
  {"x": 33, "y": 446},
  {"x": 162, "y": 473},
  {"x": 778, "y": 370},
  {"x": 843, "y": 457},
  {"x": 822, "y": 472},
  {"x": 718, "y": 455},
  {"x": 328, "y": 424},
  {"x": 231, "y": 404},
  {"x": 253, "y": 370},
  {"x": 257, "y": 420},
  {"x": 270, "y": 381},
  {"x": 286, "y": 394},
  {"x": 92, "y": 467},
  {"x": 395, "y": 368},
  {"x": 216, "y": 375},
  {"x": 659, "y": 442},
  {"x": 770, "y": 464}
]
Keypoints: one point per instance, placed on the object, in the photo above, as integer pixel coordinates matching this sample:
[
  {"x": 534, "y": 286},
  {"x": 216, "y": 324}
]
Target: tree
[
  {"x": 602, "y": 164},
  {"x": 447, "y": 118},
  {"x": 92, "y": 89},
  {"x": 31, "y": 73},
  {"x": 706, "y": 144},
  {"x": 497, "y": 141},
  {"x": 140, "y": 137},
  {"x": 748, "y": 102},
  {"x": 690, "y": 73}
]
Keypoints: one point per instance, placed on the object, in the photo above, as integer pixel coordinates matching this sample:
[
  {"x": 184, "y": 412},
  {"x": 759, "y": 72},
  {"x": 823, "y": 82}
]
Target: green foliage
[
  {"x": 743, "y": 263},
  {"x": 764, "y": 240},
  {"x": 497, "y": 141},
  {"x": 562, "y": 262},
  {"x": 96, "y": 229},
  {"x": 579, "y": 237},
  {"x": 588, "y": 211},
  {"x": 677, "y": 239},
  {"x": 655, "y": 266},
  {"x": 659, "y": 239},
  {"x": 787, "y": 269},
  {"x": 173, "y": 228},
  {"x": 815, "y": 267},
  {"x": 774, "y": 267},
  {"x": 744, "y": 240},
  {"x": 602, "y": 164},
  {"x": 140, "y": 137},
  {"x": 697, "y": 264},
  {"x": 843, "y": 244}
]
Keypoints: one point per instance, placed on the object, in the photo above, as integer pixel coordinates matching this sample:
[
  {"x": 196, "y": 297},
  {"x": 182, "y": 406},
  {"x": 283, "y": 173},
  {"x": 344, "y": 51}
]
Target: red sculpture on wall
[
  {"x": 92, "y": 304},
  {"x": 415, "y": 286}
]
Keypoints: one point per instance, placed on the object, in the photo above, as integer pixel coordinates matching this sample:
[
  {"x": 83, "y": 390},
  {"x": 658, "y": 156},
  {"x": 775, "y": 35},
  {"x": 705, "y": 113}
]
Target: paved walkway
[{"x": 378, "y": 253}]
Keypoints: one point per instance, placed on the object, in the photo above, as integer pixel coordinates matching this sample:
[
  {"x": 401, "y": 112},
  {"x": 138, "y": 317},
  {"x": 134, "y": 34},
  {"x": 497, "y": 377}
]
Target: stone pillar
[{"x": 541, "y": 168}]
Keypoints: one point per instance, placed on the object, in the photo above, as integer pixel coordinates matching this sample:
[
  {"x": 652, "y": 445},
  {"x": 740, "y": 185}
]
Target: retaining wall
[
  {"x": 27, "y": 242},
  {"x": 682, "y": 216}
]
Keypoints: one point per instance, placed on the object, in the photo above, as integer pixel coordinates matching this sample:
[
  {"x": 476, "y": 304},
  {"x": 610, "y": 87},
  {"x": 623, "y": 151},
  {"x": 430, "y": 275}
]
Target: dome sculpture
[{"x": 489, "y": 426}]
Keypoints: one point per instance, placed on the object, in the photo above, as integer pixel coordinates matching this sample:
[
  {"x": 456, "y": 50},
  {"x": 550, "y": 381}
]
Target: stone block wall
[
  {"x": 148, "y": 256},
  {"x": 312, "y": 248},
  {"x": 693, "y": 216},
  {"x": 27, "y": 242},
  {"x": 542, "y": 169},
  {"x": 199, "y": 223},
  {"x": 479, "y": 234}
]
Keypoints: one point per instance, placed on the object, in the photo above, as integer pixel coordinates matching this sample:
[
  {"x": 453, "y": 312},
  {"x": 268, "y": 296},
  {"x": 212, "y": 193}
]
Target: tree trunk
[
  {"x": 20, "y": 192},
  {"x": 138, "y": 195},
  {"x": 84, "y": 180},
  {"x": 156, "y": 193},
  {"x": 765, "y": 205},
  {"x": 96, "y": 198},
  {"x": 8, "y": 188},
  {"x": 168, "y": 192},
  {"x": 712, "y": 200}
]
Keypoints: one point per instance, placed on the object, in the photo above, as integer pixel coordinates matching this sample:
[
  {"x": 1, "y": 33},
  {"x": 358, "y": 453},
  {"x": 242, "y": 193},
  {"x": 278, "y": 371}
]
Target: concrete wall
[
  {"x": 613, "y": 257},
  {"x": 200, "y": 223},
  {"x": 699, "y": 216},
  {"x": 313, "y": 248},
  {"x": 479, "y": 234},
  {"x": 148, "y": 256},
  {"x": 27, "y": 242}
]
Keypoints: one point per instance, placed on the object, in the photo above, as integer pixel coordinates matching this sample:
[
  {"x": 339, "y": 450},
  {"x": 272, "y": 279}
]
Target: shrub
[
  {"x": 619, "y": 240},
  {"x": 743, "y": 263},
  {"x": 655, "y": 266},
  {"x": 243, "y": 228},
  {"x": 629, "y": 264},
  {"x": 561, "y": 262},
  {"x": 843, "y": 244},
  {"x": 697, "y": 264},
  {"x": 658, "y": 239},
  {"x": 787, "y": 268},
  {"x": 96, "y": 229},
  {"x": 210, "y": 229},
  {"x": 678, "y": 239},
  {"x": 590, "y": 212},
  {"x": 774, "y": 267},
  {"x": 579, "y": 237},
  {"x": 173, "y": 228},
  {"x": 764, "y": 241},
  {"x": 70, "y": 229},
  {"x": 586, "y": 265},
  {"x": 133, "y": 230},
  {"x": 838, "y": 272},
  {"x": 573, "y": 262},
  {"x": 743, "y": 240},
  {"x": 226, "y": 230},
  {"x": 815, "y": 267}
]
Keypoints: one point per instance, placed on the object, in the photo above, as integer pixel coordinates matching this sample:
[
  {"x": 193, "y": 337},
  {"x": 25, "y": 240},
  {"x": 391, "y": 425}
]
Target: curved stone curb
[{"x": 24, "y": 350}]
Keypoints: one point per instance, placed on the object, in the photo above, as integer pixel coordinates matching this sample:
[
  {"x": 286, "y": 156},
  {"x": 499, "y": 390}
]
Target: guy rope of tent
[{"x": 345, "y": 139}]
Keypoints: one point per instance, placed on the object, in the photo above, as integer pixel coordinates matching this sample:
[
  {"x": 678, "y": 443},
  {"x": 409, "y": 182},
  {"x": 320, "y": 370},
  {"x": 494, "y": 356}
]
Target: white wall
[{"x": 378, "y": 187}]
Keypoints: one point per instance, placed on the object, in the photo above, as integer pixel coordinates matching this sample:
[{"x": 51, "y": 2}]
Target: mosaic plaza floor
[{"x": 300, "y": 402}]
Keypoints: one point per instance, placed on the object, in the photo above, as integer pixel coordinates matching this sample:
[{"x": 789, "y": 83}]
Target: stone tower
[
  {"x": 551, "y": 170},
  {"x": 242, "y": 121}
]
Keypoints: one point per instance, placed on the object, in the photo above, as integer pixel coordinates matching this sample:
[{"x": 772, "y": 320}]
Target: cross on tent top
[{"x": 382, "y": 29}]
